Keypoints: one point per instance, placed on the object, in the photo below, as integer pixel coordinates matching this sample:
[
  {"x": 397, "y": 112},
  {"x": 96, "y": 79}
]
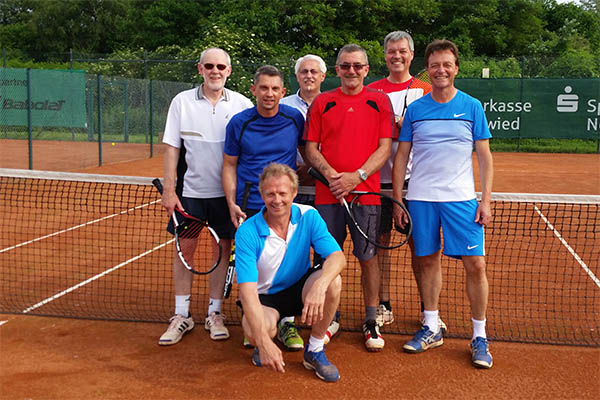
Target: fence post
[
  {"x": 3, "y": 57},
  {"x": 98, "y": 85},
  {"x": 71, "y": 58},
  {"x": 521, "y": 98},
  {"x": 126, "y": 111},
  {"x": 29, "y": 122},
  {"x": 151, "y": 125}
]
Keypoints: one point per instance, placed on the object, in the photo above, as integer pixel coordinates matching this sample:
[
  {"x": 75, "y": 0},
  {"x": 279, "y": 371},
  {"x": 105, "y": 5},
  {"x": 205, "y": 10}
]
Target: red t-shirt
[{"x": 348, "y": 128}]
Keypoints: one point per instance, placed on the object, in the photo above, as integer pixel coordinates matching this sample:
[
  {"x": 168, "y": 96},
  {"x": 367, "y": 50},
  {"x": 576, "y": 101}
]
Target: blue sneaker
[
  {"x": 424, "y": 339},
  {"x": 256, "y": 358},
  {"x": 318, "y": 362},
  {"x": 480, "y": 353}
]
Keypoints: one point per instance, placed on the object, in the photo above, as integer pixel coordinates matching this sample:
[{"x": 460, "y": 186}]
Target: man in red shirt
[{"x": 349, "y": 134}]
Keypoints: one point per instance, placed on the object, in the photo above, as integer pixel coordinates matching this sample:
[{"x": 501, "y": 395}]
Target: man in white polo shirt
[{"x": 195, "y": 137}]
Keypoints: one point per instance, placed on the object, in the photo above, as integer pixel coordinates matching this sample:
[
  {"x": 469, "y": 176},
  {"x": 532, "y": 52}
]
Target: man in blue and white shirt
[
  {"x": 442, "y": 128},
  {"x": 275, "y": 274}
]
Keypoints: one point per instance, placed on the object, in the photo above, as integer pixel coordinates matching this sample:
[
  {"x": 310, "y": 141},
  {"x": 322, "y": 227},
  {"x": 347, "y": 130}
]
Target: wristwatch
[{"x": 363, "y": 175}]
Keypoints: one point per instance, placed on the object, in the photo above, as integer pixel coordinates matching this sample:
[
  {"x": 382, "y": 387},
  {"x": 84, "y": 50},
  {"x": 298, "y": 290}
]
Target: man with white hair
[{"x": 194, "y": 139}]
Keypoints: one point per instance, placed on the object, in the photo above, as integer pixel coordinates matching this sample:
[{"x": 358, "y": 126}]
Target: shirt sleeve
[
  {"x": 232, "y": 144},
  {"x": 407, "y": 130},
  {"x": 172, "y": 134},
  {"x": 299, "y": 118},
  {"x": 322, "y": 242},
  {"x": 312, "y": 128},
  {"x": 246, "y": 253},
  {"x": 481, "y": 129}
]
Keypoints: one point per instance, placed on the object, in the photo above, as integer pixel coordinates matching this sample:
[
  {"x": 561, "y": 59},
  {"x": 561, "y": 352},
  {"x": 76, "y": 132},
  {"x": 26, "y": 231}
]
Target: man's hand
[
  {"x": 237, "y": 215},
  {"x": 271, "y": 356},
  {"x": 312, "y": 312},
  {"x": 170, "y": 201},
  {"x": 483, "y": 215},
  {"x": 400, "y": 216},
  {"x": 342, "y": 183}
]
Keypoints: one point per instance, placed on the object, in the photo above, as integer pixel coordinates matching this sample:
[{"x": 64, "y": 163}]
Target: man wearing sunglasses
[
  {"x": 194, "y": 138},
  {"x": 349, "y": 134}
]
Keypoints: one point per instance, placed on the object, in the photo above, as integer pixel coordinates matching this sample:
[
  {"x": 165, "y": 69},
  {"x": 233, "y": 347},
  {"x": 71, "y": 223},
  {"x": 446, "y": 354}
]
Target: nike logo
[
  {"x": 459, "y": 115},
  {"x": 472, "y": 247}
]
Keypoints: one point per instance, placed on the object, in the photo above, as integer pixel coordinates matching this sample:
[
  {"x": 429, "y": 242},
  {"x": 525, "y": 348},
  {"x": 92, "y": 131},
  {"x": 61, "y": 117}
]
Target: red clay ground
[{"x": 73, "y": 359}]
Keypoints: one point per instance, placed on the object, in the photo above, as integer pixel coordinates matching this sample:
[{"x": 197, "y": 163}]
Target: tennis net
[{"x": 95, "y": 246}]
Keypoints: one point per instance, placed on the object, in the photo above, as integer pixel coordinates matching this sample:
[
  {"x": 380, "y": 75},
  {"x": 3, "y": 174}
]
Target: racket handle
[
  {"x": 247, "y": 187},
  {"x": 158, "y": 185},
  {"x": 318, "y": 176}
]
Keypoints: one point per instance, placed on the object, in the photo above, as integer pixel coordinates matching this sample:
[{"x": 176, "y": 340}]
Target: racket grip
[
  {"x": 158, "y": 185},
  {"x": 318, "y": 176},
  {"x": 247, "y": 187}
]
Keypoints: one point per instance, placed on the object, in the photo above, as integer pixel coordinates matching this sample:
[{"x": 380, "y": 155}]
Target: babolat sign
[
  {"x": 538, "y": 108},
  {"x": 57, "y": 98}
]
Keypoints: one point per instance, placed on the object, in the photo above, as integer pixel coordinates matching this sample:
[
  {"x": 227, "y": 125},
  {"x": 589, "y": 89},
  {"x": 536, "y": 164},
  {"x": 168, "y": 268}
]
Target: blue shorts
[{"x": 462, "y": 235}]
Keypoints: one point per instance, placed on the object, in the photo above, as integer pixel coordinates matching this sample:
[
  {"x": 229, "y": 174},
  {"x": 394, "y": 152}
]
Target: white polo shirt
[{"x": 193, "y": 121}]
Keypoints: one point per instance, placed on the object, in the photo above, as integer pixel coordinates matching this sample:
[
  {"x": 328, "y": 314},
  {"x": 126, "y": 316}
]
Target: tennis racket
[
  {"x": 399, "y": 238},
  {"x": 419, "y": 81},
  {"x": 231, "y": 266},
  {"x": 198, "y": 245}
]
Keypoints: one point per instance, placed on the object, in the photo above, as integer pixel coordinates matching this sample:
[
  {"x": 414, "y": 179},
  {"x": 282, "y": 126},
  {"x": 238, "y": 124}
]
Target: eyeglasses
[
  {"x": 357, "y": 67},
  {"x": 210, "y": 66}
]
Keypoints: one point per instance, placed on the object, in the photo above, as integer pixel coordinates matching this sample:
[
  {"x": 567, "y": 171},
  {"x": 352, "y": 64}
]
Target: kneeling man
[{"x": 275, "y": 275}]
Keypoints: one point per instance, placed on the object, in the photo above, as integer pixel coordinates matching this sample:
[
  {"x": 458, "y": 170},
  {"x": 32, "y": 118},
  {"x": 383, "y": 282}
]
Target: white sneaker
[
  {"x": 384, "y": 316},
  {"x": 179, "y": 326},
  {"x": 215, "y": 323},
  {"x": 333, "y": 329}
]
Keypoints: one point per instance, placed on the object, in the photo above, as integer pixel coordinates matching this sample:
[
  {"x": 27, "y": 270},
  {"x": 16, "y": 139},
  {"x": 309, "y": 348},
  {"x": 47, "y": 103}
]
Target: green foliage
[{"x": 580, "y": 146}]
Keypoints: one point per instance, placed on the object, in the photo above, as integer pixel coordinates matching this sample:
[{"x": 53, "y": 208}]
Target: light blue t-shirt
[
  {"x": 274, "y": 263},
  {"x": 442, "y": 136}
]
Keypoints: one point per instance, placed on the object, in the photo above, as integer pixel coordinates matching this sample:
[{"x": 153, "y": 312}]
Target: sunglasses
[
  {"x": 210, "y": 66},
  {"x": 357, "y": 67}
]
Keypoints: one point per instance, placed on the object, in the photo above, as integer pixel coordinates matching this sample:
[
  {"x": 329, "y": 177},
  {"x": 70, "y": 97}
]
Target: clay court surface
[{"x": 58, "y": 358}]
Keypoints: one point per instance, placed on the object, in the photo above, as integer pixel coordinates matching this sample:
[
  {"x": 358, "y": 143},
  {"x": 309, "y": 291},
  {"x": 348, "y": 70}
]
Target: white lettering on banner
[
  {"x": 509, "y": 106},
  {"x": 567, "y": 102},
  {"x": 592, "y": 124},
  {"x": 504, "y": 125},
  {"x": 593, "y": 106}
]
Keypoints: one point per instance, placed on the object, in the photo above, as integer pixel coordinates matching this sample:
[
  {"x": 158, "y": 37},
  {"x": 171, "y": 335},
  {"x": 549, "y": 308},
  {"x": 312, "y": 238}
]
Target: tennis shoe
[
  {"x": 247, "y": 343},
  {"x": 178, "y": 326},
  {"x": 287, "y": 333},
  {"x": 256, "y": 358},
  {"x": 424, "y": 339},
  {"x": 333, "y": 329},
  {"x": 384, "y": 316},
  {"x": 441, "y": 323},
  {"x": 215, "y": 323},
  {"x": 480, "y": 353},
  {"x": 318, "y": 362},
  {"x": 373, "y": 339}
]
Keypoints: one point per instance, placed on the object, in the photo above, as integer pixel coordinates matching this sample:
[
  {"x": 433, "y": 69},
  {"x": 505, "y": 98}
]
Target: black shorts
[
  {"x": 288, "y": 302},
  {"x": 214, "y": 210},
  {"x": 387, "y": 211}
]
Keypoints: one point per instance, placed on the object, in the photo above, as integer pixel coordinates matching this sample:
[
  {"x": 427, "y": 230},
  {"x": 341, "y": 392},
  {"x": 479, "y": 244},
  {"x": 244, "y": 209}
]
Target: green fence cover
[{"x": 57, "y": 97}]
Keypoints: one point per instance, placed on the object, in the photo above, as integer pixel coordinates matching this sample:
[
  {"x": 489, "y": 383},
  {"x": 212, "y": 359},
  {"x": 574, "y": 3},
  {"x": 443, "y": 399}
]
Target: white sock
[
  {"x": 479, "y": 328},
  {"x": 182, "y": 305},
  {"x": 315, "y": 345},
  {"x": 431, "y": 320},
  {"x": 214, "y": 305},
  {"x": 287, "y": 319}
]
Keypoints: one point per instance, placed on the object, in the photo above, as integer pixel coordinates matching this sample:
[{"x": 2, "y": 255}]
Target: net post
[
  {"x": 150, "y": 125},
  {"x": 29, "y": 122},
  {"x": 99, "y": 96}
]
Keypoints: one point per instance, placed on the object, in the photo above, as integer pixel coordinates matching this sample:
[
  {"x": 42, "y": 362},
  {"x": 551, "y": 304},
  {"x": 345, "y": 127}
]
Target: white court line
[
  {"x": 573, "y": 253},
  {"x": 3, "y": 322},
  {"x": 76, "y": 227},
  {"x": 100, "y": 275}
]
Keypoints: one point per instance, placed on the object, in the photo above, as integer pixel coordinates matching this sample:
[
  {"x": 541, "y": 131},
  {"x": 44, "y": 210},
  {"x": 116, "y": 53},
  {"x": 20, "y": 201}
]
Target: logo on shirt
[
  {"x": 459, "y": 115},
  {"x": 472, "y": 247},
  {"x": 351, "y": 109}
]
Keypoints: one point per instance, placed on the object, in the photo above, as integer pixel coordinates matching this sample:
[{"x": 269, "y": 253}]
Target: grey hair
[
  {"x": 352, "y": 48},
  {"x": 214, "y": 48},
  {"x": 313, "y": 58},
  {"x": 399, "y": 35}
]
